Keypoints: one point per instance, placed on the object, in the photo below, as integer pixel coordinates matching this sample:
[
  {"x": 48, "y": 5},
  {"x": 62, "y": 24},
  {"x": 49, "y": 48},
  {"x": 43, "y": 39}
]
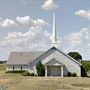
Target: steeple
[{"x": 54, "y": 36}]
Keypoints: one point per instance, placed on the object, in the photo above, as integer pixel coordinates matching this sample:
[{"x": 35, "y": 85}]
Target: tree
[
  {"x": 75, "y": 55},
  {"x": 40, "y": 69}
]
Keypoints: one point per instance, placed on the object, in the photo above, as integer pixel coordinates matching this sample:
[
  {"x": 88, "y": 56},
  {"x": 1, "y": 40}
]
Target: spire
[{"x": 54, "y": 37}]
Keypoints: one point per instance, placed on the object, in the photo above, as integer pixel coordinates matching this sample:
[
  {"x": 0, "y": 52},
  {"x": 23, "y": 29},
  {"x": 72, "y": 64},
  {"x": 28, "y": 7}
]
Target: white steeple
[{"x": 54, "y": 36}]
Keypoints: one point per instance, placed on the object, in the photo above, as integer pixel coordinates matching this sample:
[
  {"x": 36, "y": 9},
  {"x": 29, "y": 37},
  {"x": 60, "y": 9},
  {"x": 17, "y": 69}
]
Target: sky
[{"x": 26, "y": 25}]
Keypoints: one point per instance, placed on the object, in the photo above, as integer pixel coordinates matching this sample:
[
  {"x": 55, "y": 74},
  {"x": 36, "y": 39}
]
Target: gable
[
  {"x": 57, "y": 54},
  {"x": 53, "y": 62}
]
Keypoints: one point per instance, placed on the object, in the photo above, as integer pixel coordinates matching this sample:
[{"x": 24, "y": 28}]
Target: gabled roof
[
  {"x": 68, "y": 56},
  {"x": 53, "y": 49},
  {"x": 25, "y": 58},
  {"x": 54, "y": 62},
  {"x": 22, "y": 58}
]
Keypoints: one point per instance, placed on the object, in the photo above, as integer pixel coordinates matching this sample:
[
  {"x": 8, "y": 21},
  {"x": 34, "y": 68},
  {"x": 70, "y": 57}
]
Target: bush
[
  {"x": 16, "y": 71},
  {"x": 26, "y": 73},
  {"x": 83, "y": 72},
  {"x": 40, "y": 69},
  {"x": 69, "y": 74},
  {"x": 74, "y": 75},
  {"x": 35, "y": 75},
  {"x": 86, "y": 65},
  {"x": 31, "y": 74}
]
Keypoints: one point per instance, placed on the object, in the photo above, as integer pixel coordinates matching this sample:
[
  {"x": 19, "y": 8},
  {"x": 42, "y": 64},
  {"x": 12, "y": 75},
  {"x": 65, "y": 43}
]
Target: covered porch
[{"x": 54, "y": 68}]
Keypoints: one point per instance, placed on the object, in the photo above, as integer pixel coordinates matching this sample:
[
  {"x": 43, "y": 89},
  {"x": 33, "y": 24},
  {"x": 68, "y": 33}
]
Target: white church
[{"x": 56, "y": 62}]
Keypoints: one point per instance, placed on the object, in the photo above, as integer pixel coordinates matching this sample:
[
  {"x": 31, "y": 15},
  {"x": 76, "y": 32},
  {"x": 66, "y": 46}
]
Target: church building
[{"x": 56, "y": 62}]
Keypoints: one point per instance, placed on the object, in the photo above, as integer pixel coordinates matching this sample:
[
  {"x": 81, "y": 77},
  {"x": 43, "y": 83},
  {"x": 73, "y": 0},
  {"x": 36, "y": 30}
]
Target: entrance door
[{"x": 55, "y": 71}]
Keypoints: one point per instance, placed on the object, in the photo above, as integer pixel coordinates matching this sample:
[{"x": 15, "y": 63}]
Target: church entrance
[{"x": 54, "y": 71}]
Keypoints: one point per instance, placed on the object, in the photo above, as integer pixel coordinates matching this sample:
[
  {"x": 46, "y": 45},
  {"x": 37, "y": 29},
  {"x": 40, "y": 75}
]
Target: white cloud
[
  {"x": 24, "y": 20},
  {"x": 83, "y": 13},
  {"x": 28, "y": 21},
  {"x": 77, "y": 41},
  {"x": 49, "y": 5},
  {"x": 77, "y": 38},
  {"x": 7, "y": 23},
  {"x": 39, "y": 22},
  {"x": 35, "y": 38}
]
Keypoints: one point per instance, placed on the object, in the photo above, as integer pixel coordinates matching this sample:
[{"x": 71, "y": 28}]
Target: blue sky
[{"x": 26, "y": 25}]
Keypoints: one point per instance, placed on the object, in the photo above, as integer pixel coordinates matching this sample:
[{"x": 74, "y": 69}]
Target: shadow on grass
[{"x": 82, "y": 85}]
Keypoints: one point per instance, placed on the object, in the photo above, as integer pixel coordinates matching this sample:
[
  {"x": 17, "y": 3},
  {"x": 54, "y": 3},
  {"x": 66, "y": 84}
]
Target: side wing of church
[{"x": 55, "y": 61}]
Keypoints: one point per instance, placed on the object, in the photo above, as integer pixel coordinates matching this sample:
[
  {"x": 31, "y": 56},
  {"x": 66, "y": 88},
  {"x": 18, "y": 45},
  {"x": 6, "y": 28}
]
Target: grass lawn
[{"x": 19, "y": 82}]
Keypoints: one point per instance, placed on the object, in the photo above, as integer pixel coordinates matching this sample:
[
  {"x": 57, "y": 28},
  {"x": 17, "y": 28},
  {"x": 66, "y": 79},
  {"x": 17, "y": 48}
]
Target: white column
[
  {"x": 45, "y": 71},
  {"x": 61, "y": 71}
]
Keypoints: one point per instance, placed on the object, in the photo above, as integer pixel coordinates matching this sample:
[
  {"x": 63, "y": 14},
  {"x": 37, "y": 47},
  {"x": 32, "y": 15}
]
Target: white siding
[
  {"x": 9, "y": 68},
  {"x": 16, "y": 67},
  {"x": 70, "y": 65}
]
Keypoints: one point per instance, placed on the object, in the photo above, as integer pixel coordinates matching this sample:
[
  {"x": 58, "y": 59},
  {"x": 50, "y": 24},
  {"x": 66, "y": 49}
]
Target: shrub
[
  {"x": 16, "y": 71},
  {"x": 86, "y": 65},
  {"x": 74, "y": 75},
  {"x": 83, "y": 72},
  {"x": 69, "y": 74},
  {"x": 26, "y": 73},
  {"x": 31, "y": 74},
  {"x": 40, "y": 69},
  {"x": 35, "y": 75}
]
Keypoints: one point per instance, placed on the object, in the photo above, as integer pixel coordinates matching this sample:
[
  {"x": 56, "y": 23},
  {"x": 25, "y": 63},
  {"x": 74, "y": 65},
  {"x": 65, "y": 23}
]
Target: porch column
[
  {"x": 45, "y": 71},
  {"x": 61, "y": 71}
]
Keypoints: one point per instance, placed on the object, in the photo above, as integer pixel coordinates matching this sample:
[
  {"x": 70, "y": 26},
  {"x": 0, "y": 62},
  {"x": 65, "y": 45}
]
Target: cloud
[
  {"x": 77, "y": 41},
  {"x": 83, "y": 13},
  {"x": 49, "y": 5},
  {"x": 24, "y": 20},
  {"x": 7, "y": 23},
  {"x": 77, "y": 38},
  {"x": 35, "y": 38},
  {"x": 28, "y": 21}
]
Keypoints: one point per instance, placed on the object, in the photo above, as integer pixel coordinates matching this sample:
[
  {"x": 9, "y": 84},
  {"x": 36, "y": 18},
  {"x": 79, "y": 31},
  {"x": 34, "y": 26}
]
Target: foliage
[
  {"x": 40, "y": 69},
  {"x": 16, "y": 71},
  {"x": 83, "y": 71},
  {"x": 85, "y": 68},
  {"x": 70, "y": 74},
  {"x": 2, "y": 62},
  {"x": 31, "y": 74},
  {"x": 86, "y": 65},
  {"x": 75, "y": 55},
  {"x": 74, "y": 74},
  {"x": 26, "y": 73}
]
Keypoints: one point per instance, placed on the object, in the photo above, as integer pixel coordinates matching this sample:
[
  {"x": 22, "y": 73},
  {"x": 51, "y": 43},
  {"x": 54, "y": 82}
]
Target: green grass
[{"x": 13, "y": 81}]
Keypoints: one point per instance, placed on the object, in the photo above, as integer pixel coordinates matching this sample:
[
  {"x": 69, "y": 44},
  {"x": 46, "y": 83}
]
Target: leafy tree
[
  {"x": 75, "y": 55},
  {"x": 83, "y": 71},
  {"x": 40, "y": 69},
  {"x": 86, "y": 65}
]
